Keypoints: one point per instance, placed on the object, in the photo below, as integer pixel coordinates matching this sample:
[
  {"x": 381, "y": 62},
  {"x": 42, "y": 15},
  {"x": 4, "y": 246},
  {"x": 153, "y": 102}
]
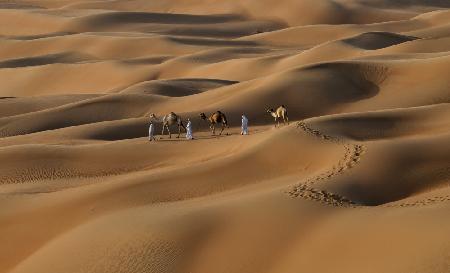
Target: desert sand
[{"x": 359, "y": 181}]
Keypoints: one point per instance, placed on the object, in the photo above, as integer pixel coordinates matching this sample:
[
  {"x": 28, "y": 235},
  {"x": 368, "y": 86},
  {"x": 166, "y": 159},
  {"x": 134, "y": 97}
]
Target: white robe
[
  {"x": 151, "y": 131},
  {"x": 244, "y": 128},
  {"x": 189, "y": 130}
]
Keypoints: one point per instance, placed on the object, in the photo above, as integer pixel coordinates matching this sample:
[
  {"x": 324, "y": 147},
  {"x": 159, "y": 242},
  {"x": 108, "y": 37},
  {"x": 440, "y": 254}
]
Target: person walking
[
  {"x": 151, "y": 131},
  {"x": 189, "y": 135},
  {"x": 244, "y": 127}
]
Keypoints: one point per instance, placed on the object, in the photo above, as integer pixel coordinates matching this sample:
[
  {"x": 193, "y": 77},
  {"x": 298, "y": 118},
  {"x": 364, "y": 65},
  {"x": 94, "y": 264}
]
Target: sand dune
[
  {"x": 358, "y": 181},
  {"x": 401, "y": 122}
]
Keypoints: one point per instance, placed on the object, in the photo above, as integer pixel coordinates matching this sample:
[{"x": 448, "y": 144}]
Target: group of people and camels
[{"x": 216, "y": 118}]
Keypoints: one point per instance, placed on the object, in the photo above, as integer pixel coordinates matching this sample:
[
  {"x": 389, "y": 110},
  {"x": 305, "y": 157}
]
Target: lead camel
[{"x": 167, "y": 121}]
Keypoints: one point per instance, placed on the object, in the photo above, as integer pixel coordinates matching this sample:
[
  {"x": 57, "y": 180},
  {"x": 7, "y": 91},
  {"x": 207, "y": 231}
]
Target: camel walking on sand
[
  {"x": 281, "y": 112},
  {"x": 216, "y": 118},
  {"x": 169, "y": 120}
]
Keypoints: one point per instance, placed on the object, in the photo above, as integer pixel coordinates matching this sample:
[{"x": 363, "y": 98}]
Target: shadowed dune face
[
  {"x": 177, "y": 88},
  {"x": 405, "y": 3},
  {"x": 65, "y": 57},
  {"x": 377, "y": 40},
  {"x": 363, "y": 164}
]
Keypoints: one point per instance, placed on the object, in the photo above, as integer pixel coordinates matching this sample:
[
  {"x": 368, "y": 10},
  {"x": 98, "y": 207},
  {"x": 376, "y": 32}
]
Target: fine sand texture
[{"x": 357, "y": 182}]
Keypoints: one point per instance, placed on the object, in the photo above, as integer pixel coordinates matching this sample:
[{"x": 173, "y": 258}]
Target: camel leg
[
  {"x": 162, "y": 133},
  {"x": 168, "y": 130}
]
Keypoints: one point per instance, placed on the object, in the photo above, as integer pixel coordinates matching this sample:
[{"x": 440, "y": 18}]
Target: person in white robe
[
  {"x": 244, "y": 127},
  {"x": 151, "y": 131},
  {"x": 189, "y": 130}
]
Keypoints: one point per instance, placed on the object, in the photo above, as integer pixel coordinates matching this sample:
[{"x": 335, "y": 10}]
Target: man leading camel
[
  {"x": 151, "y": 131},
  {"x": 189, "y": 135},
  {"x": 244, "y": 127}
]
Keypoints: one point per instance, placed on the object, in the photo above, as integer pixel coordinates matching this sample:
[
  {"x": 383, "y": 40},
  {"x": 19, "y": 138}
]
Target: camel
[
  {"x": 216, "y": 118},
  {"x": 281, "y": 112},
  {"x": 168, "y": 120}
]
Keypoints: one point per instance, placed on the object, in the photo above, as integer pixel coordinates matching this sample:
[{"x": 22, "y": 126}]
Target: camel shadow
[{"x": 182, "y": 138}]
